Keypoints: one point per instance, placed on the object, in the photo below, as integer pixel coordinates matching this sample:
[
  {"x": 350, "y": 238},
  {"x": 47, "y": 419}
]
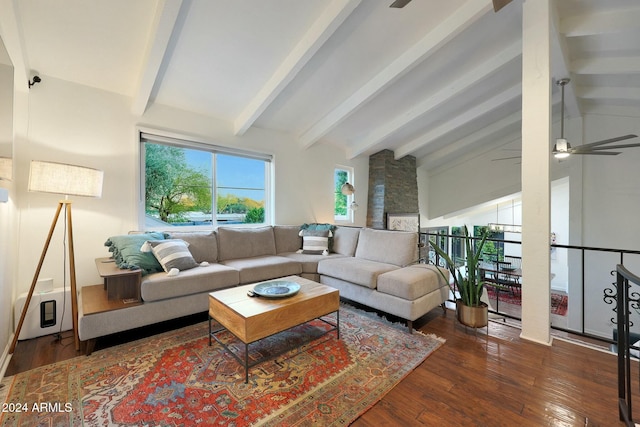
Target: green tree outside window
[{"x": 341, "y": 177}]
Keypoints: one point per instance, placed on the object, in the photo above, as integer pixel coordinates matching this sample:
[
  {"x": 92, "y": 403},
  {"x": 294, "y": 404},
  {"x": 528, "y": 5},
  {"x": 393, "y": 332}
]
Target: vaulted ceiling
[{"x": 432, "y": 79}]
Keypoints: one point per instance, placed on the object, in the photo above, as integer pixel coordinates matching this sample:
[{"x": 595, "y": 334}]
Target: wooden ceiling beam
[
  {"x": 164, "y": 22},
  {"x": 460, "y": 120},
  {"x": 454, "y": 89},
  {"x": 448, "y": 29},
  {"x": 617, "y": 65},
  {"x": 328, "y": 22},
  {"x": 616, "y": 21},
  {"x": 466, "y": 144}
]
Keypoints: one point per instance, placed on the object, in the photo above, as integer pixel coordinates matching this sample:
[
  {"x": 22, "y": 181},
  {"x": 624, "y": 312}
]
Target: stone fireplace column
[{"x": 393, "y": 187}]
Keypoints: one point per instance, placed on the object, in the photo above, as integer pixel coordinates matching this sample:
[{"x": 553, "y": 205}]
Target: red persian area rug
[
  {"x": 177, "y": 379},
  {"x": 559, "y": 302}
]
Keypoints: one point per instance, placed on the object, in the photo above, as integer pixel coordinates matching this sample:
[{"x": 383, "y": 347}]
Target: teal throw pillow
[{"x": 127, "y": 254}]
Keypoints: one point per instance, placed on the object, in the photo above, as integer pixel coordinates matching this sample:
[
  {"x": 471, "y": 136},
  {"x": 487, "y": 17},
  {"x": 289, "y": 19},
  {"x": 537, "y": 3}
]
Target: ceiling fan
[
  {"x": 497, "y": 4},
  {"x": 562, "y": 149}
]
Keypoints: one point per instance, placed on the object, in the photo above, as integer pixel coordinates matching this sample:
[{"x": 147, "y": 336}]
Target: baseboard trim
[{"x": 6, "y": 357}]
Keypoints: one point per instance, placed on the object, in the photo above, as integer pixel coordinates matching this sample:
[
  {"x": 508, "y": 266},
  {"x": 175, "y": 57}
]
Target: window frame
[
  {"x": 188, "y": 142},
  {"x": 349, "y": 218}
]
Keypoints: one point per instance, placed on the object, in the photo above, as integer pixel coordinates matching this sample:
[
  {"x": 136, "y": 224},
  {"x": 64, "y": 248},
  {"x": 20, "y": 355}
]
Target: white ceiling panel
[
  {"x": 435, "y": 78},
  {"x": 227, "y": 50},
  {"x": 92, "y": 42}
]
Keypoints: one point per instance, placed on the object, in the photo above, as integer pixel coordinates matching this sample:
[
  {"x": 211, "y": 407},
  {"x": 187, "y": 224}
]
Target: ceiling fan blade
[
  {"x": 399, "y": 4},
  {"x": 608, "y": 141},
  {"x": 615, "y": 147},
  {"x": 597, "y": 153},
  {"x": 499, "y": 4}
]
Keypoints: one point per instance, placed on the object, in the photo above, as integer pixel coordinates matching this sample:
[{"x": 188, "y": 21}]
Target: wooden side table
[
  {"x": 120, "y": 284},
  {"x": 94, "y": 300},
  {"x": 121, "y": 288}
]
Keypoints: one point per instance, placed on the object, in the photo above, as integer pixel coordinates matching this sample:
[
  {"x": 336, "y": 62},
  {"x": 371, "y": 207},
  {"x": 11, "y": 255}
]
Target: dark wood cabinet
[{"x": 120, "y": 284}]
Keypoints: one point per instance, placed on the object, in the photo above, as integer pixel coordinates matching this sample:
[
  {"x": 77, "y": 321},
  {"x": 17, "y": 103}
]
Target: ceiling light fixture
[
  {"x": 561, "y": 149},
  {"x": 497, "y": 227},
  {"x": 348, "y": 190}
]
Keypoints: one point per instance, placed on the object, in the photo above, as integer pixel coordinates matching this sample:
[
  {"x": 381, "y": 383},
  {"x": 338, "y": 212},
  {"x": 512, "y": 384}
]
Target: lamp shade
[
  {"x": 6, "y": 168},
  {"x": 61, "y": 178},
  {"x": 347, "y": 189}
]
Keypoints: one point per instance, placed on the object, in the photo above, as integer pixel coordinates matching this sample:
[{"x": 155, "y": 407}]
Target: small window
[{"x": 343, "y": 209}]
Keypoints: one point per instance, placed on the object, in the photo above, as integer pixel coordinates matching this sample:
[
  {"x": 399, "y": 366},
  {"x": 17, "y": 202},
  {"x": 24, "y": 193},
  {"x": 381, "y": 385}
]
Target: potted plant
[{"x": 468, "y": 281}]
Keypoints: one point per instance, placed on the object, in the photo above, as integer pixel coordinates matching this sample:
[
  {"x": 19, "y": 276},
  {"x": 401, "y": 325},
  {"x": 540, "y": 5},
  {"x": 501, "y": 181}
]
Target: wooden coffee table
[{"x": 253, "y": 318}]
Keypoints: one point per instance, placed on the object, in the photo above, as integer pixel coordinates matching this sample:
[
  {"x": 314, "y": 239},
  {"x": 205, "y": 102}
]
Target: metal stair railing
[{"x": 624, "y": 301}]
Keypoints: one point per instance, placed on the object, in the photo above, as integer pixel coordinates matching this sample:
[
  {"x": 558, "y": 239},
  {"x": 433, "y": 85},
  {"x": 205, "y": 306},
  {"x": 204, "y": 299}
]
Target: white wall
[
  {"x": 508, "y": 210},
  {"x": 8, "y": 236},
  {"x": 595, "y": 200},
  {"x": 89, "y": 127},
  {"x": 6, "y": 109},
  {"x": 78, "y": 125},
  {"x": 303, "y": 178},
  {"x": 475, "y": 178},
  {"x": 612, "y": 186},
  {"x": 611, "y": 199},
  {"x": 7, "y": 271},
  {"x": 560, "y": 227}
]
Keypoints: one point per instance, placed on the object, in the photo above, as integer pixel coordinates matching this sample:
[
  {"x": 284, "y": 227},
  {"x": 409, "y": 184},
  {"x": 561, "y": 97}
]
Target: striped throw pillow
[
  {"x": 172, "y": 253},
  {"x": 315, "y": 242}
]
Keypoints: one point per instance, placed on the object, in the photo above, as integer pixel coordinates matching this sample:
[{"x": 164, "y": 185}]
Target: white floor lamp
[{"x": 70, "y": 180}]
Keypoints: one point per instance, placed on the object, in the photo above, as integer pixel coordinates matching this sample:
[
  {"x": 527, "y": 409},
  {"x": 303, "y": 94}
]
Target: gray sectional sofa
[{"x": 373, "y": 267}]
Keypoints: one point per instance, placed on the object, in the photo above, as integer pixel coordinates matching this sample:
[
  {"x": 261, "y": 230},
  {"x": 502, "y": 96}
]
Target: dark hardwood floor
[{"x": 474, "y": 379}]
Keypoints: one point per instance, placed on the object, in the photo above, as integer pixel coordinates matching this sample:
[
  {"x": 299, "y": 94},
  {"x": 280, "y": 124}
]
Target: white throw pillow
[
  {"x": 315, "y": 242},
  {"x": 171, "y": 254}
]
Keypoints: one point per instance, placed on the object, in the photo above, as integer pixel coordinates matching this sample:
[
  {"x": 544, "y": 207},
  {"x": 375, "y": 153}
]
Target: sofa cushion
[
  {"x": 412, "y": 282},
  {"x": 287, "y": 238},
  {"x": 345, "y": 240},
  {"x": 309, "y": 262},
  {"x": 356, "y": 270},
  {"x": 393, "y": 247},
  {"x": 202, "y": 245},
  {"x": 257, "y": 269},
  {"x": 160, "y": 286},
  {"x": 234, "y": 243},
  {"x": 172, "y": 253},
  {"x": 127, "y": 254},
  {"x": 315, "y": 242}
]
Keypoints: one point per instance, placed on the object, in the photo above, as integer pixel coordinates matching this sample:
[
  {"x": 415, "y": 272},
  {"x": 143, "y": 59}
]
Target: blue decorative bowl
[{"x": 277, "y": 289}]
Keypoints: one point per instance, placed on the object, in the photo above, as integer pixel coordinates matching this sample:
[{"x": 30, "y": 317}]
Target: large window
[
  {"x": 194, "y": 184},
  {"x": 342, "y": 202}
]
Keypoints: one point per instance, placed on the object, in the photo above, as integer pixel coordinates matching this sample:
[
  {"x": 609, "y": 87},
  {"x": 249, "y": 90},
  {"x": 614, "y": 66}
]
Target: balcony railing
[
  {"x": 627, "y": 299},
  {"x": 583, "y": 286}
]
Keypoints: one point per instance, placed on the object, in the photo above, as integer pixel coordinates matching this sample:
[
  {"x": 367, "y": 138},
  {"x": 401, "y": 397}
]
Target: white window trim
[
  {"x": 199, "y": 143},
  {"x": 349, "y": 218}
]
